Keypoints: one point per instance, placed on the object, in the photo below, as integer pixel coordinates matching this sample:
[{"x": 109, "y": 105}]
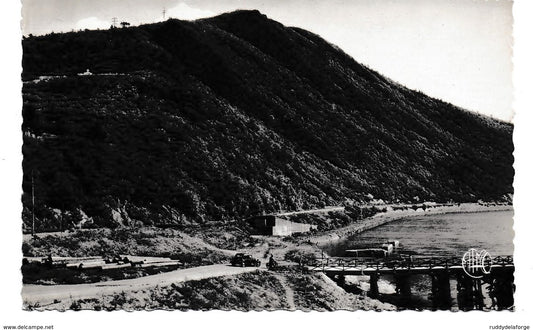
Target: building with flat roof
[{"x": 275, "y": 226}]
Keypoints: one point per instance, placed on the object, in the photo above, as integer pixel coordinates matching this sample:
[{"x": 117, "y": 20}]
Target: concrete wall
[
  {"x": 286, "y": 228},
  {"x": 271, "y": 225}
]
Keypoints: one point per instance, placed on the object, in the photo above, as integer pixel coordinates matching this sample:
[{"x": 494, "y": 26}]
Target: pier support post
[
  {"x": 440, "y": 289},
  {"x": 501, "y": 290},
  {"x": 403, "y": 287},
  {"x": 469, "y": 293},
  {"x": 464, "y": 292},
  {"x": 374, "y": 290},
  {"x": 478, "y": 295}
]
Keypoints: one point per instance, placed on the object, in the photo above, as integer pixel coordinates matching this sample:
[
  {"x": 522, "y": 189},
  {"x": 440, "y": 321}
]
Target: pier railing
[
  {"x": 469, "y": 293},
  {"x": 418, "y": 264}
]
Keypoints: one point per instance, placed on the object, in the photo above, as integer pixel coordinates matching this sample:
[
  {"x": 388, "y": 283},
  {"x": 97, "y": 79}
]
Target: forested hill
[{"x": 222, "y": 118}]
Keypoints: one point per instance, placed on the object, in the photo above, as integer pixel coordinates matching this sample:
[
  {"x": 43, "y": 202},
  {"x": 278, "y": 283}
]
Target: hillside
[{"x": 217, "y": 119}]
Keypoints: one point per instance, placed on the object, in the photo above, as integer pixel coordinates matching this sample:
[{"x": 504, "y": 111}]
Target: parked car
[{"x": 245, "y": 260}]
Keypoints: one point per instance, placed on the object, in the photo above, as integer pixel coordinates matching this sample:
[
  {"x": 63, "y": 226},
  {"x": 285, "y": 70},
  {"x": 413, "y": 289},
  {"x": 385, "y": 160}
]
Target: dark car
[{"x": 245, "y": 260}]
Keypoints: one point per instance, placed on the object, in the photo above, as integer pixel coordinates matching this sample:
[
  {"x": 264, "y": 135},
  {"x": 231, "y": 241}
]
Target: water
[
  {"x": 439, "y": 234},
  {"x": 448, "y": 235}
]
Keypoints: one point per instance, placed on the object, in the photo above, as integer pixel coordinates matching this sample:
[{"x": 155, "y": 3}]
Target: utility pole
[
  {"x": 61, "y": 217},
  {"x": 164, "y": 13},
  {"x": 114, "y": 22},
  {"x": 32, "y": 206}
]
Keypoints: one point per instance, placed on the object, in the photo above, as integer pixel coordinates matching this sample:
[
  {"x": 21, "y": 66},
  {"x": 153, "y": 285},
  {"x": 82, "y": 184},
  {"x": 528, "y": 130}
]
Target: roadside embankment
[
  {"x": 148, "y": 241},
  {"x": 45, "y": 294},
  {"x": 256, "y": 290}
]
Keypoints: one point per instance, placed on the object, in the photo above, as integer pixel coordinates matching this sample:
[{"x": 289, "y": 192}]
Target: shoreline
[
  {"x": 143, "y": 286},
  {"x": 383, "y": 218}
]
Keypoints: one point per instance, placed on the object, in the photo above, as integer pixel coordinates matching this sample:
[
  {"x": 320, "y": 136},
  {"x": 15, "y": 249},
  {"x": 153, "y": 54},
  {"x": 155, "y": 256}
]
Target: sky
[{"x": 456, "y": 50}]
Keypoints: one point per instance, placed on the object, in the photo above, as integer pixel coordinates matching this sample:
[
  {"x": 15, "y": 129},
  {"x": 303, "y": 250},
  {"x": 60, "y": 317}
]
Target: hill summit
[{"x": 191, "y": 121}]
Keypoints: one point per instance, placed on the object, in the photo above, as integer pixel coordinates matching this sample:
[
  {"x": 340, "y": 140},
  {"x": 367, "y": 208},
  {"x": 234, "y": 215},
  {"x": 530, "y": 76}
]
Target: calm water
[
  {"x": 440, "y": 234},
  {"x": 434, "y": 235}
]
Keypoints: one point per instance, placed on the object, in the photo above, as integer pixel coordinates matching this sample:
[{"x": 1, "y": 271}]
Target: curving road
[
  {"x": 323, "y": 210},
  {"x": 45, "y": 294}
]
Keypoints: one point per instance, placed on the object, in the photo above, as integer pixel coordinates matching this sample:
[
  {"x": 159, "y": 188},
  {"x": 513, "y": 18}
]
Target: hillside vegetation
[{"x": 219, "y": 119}]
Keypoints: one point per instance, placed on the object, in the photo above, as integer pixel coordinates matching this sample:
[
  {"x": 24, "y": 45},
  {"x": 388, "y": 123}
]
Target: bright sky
[{"x": 456, "y": 50}]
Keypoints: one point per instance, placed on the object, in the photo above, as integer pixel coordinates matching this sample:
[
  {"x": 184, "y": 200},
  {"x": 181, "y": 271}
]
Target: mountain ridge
[{"x": 225, "y": 117}]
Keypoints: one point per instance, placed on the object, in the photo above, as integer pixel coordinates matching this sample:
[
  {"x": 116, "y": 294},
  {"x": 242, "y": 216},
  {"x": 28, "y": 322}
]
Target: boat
[{"x": 387, "y": 249}]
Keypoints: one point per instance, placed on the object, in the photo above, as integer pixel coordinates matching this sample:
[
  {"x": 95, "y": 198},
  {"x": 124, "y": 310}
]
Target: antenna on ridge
[
  {"x": 164, "y": 13},
  {"x": 114, "y": 22}
]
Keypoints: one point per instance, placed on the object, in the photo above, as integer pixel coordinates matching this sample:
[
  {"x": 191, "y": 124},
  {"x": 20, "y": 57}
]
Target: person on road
[{"x": 271, "y": 262}]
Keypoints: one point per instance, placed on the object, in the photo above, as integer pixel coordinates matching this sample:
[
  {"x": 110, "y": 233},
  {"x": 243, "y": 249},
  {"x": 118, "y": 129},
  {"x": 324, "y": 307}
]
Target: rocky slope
[{"x": 188, "y": 122}]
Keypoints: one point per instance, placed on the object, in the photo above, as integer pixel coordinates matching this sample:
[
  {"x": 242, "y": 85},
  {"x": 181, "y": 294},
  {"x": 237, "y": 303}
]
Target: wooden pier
[{"x": 498, "y": 282}]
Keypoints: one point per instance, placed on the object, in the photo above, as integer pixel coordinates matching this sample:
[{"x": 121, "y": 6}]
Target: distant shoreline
[{"x": 383, "y": 218}]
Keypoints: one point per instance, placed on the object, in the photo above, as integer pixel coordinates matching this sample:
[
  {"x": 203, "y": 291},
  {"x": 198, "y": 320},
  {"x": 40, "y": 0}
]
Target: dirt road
[
  {"x": 46, "y": 294},
  {"x": 324, "y": 210}
]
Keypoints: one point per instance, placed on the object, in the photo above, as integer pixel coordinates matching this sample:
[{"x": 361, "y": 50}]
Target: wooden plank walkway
[{"x": 354, "y": 266}]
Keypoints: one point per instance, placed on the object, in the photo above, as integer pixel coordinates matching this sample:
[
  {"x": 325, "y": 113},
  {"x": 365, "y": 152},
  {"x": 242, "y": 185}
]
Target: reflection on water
[
  {"x": 448, "y": 235},
  {"x": 440, "y": 234}
]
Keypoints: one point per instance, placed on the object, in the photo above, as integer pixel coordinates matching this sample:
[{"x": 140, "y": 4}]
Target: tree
[{"x": 124, "y": 24}]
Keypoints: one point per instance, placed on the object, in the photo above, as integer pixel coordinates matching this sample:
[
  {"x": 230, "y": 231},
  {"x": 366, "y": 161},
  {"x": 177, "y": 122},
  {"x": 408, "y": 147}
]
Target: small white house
[{"x": 86, "y": 73}]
